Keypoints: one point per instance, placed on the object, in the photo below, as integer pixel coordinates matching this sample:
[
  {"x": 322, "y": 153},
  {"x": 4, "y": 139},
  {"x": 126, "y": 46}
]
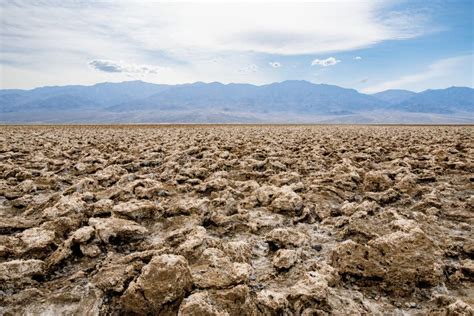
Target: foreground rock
[
  {"x": 233, "y": 301},
  {"x": 116, "y": 228},
  {"x": 160, "y": 287},
  {"x": 135, "y": 210},
  {"x": 17, "y": 270},
  {"x": 236, "y": 220},
  {"x": 401, "y": 260},
  {"x": 215, "y": 270}
]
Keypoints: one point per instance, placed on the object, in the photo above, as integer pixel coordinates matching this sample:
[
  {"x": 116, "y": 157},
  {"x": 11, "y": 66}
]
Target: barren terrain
[{"x": 236, "y": 220}]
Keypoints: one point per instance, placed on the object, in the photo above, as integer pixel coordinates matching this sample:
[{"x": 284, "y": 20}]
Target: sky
[{"x": 370, "y": 46}]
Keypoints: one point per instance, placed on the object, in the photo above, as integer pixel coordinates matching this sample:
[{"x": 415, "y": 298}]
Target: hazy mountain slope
[
  {"x": 61, "y": 102},
  {"x": 292, "y": 96},
  {"x": 394, "y": 96},
  {"x": 450, "y": 100},
  {"x": 9, "y": 91},
  {"x": 25, "y": 100},
  {"x": 9, "y": 101},
  {"x": 113, "y": 93},
  {"x": 99, "y": 95},
  {"x": 305, "y": 97},
  {"x": 193, "y": 96},
  {"x": 288, "y": 101}
]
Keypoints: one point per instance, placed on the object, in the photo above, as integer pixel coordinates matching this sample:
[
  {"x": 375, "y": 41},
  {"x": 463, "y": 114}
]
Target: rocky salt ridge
[{"x": 236, "y": 220}]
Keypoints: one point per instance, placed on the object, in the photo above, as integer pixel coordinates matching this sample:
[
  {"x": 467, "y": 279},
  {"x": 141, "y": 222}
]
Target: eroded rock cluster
[{"x": 236, "y": 220}]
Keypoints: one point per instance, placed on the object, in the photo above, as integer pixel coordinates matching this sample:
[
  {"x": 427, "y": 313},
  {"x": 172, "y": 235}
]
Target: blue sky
[{"x": 367, "y": 45}]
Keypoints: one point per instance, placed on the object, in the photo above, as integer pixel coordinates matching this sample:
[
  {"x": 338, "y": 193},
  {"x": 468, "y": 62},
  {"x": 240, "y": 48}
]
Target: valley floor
[{"x": 237, "y": 220}]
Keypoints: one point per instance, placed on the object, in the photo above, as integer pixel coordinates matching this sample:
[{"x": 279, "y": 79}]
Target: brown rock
[
  {"x": 284, "y": 238},
  {"x": 238, "y": 250},
  {"x": 272, "y": 301},
  {"x": 16, "y": 274},
  {"x": 459, "y": 308},
  {"x": 36, "y": 239},
  {"x": 67, "y": 205},
  {"x": 311, "y": 290},
  {"x": 90, "y": 250},
  {"x": 165, "y": 280},
  {"x": 286, "y": 200},
  {"x": 369, "y": 207},
  {"x": 83, "y": 234},
  {"x": 376, "y": 181},
  {"x": 136, "y": 209},
  {"x": 107, "y": 228},
  {"x": 265, "y": 194},
  {"x": 21, "y": 269},
  {"x": 215, "y": 270},
  {"x": 103, "y": 206},
  {"x": 190, "y": 240},
  {"x": 110, "y": 174},
  {"x": 114, "y": 277},
  {"x": 401, "y": 259},
  {"x": 261, "y": 213},
  {"x": 284, "y": 259},
  {"x": 198, "y": 304},
  {"x": 27, "y": 186},
  {"x": 468, "y": 247},
  {"x": 283, "y": 199},
  {"x": 233, "y": 301}
]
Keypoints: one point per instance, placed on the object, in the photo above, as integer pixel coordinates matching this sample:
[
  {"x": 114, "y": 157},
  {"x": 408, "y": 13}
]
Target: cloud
[
  {"x": 331, "y": 61},
  {"x": 181, "y": 35},
  {"x": 357, "y": 58},
  {"x": 249, "y": 69},
  {"x": 440, "y": 74},
  {"x": 113, "y": 66},
  {"x": 180, "y": 28},
  {"x": 364, "y": 80},
  {"x": 275, "y": 64}
]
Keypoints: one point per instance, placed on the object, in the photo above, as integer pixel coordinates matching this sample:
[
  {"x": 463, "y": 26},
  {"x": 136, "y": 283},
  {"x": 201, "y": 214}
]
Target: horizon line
[{"x": 227, "y": 84}]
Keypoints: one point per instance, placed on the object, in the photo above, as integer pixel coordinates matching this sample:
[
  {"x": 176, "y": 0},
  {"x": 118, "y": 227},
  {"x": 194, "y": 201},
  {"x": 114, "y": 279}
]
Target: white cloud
[
  {"x": 249, "y": 69},
  {"x": 440, "y": 74},
  {"x": 181, "y": 35},
  {"x": 357, "y": 58},
  {"x": 275, "y": 64},
  {"x": 120, "y": 66},
  {"x": 181, "y": 28},
  {"x": 330, "y": 61}
]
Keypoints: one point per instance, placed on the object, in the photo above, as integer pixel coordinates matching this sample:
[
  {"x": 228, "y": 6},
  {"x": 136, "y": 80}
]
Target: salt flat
[{"x": 236, "y": 219}]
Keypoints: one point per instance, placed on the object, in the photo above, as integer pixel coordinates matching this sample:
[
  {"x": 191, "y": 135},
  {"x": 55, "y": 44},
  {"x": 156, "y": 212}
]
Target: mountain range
[{"x": 288, "y": 101}]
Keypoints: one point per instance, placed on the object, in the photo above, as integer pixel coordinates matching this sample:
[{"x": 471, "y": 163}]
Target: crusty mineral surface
[{"x": 236, "y": 220}]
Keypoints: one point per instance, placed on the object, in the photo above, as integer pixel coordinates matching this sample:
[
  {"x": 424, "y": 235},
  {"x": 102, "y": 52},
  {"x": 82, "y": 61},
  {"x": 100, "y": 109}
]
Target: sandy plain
[{"x": 236, "y": 220}]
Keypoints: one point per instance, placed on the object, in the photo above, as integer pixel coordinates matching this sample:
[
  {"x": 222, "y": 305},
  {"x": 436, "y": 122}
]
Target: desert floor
[{"x": 237, "y": 220}]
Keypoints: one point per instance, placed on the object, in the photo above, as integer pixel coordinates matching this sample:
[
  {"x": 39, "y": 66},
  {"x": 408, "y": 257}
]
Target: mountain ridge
[
  {"x": 296, "y": 97},
  {"x": 394, "y": 96}
]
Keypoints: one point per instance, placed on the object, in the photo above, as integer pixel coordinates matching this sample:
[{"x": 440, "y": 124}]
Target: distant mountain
[
  {"x": 305, "y": 97},
  {"x": 97, "y": 96},
  {"x": 288, "y": 101},
  {"x": 394, "y": 96},
  {"x": 60, "y": 102},
  {"x": 198, "y": 95},
  {"x": 445, "y": 101},
  {"x": 292, "y": 96}
]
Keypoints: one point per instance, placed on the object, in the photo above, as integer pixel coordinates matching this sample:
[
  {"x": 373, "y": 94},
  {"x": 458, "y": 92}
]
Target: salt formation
[{"x": 236, "y": 220}]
